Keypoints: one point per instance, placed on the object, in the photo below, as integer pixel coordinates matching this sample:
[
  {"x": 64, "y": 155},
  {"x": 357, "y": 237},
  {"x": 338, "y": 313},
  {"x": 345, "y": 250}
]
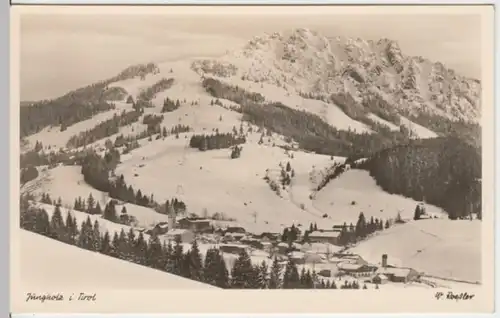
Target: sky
[{"x": 61, "y": 52}]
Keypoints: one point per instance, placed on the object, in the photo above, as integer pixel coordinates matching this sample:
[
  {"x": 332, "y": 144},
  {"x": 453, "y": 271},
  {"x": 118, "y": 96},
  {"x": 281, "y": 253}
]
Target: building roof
[
  {"x": 296, "y": 254},
  {"x": 177, "y": 232},
  {"x": 324, "y": 234},
  {"x": 395, "y": 271},
  {"x": 349, "y": 266},
  {"x": 382, "y": 276}
]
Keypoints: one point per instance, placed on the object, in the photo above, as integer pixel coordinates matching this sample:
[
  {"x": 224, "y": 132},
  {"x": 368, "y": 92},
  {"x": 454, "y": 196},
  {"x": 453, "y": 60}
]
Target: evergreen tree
[
  {"x": 242, "y": 274},
  {"x": 196, "y": 262},
  {"x": 169, "y": 258},
  {"x": 96, "y": 237},
  {"x": 71, "y": 228},
  {"x": 361, "y": 226},
  {"x": 417, "y": 214},
  {"x": 90, "y": 204},
  {"x": 154, "y": 252},
  {"x": 303, "y": 278},
  {"x": 140, "y": 249},
  {"x": 97, "y": 209},
  {"x": 106, "y": 247},
  {"x": 186, "y": 265},
  {"x": 262, "y": 277},
  {"x": 275, "y": 281},
  {"x": 309, "y": 283},
  {"x": 291, "y": 279},
  {"x": 58, "y": 229},
  {"x": 177, "y": 256}
]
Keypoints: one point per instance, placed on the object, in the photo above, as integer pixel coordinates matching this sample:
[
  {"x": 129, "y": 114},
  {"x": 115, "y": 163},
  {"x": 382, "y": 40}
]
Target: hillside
[
  {"x": 443, "y": 171},
  {"x": 75, "y": 268}
]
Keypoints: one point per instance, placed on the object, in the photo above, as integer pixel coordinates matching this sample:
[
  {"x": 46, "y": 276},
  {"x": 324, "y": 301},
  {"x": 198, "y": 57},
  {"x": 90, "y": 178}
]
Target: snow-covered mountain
[{"x": 305, "y": 61}]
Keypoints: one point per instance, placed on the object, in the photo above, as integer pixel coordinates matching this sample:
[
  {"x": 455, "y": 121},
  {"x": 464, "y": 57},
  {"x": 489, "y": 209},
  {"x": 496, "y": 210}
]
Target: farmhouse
[
  {"x": 186, "y": 236},
  {"x": 356, "y": 270},
  {"x": 399, "y": 275},
  {"x": 331, "y": 237},
  {"x": 195, "y": 224}
]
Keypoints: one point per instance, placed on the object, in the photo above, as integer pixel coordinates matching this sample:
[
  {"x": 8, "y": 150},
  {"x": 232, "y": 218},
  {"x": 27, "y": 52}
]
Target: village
[{"x": 319, "y": 250}]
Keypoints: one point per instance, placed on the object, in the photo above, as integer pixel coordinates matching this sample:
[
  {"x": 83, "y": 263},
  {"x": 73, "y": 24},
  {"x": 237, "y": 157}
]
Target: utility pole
[{"x": 254, "y": 214}]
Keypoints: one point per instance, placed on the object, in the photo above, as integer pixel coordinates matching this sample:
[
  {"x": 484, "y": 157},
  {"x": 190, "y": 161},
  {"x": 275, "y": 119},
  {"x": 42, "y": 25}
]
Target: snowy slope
[
  {"x": 356, "y": 191},
  {"x": 439, "y": 247},
  {"x": 71, "y": 267},
  {"x": 213, "y": 181}
]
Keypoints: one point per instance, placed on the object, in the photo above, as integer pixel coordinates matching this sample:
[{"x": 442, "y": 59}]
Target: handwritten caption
[
  {"x": 453, "y": 296},
  {"x": 50, "y": 297}
]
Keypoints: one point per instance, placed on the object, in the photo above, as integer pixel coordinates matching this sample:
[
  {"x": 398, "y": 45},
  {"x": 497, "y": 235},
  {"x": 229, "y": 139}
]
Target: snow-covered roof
[
  {"x": 382, "y": 276},
  {"x": 324, "y": 234},
  {"x": 296, "y": 254},
  {"x": 177, "y": 232},
  {"x": 395, "y": 271},
  {"x": 349, "y": 266}
]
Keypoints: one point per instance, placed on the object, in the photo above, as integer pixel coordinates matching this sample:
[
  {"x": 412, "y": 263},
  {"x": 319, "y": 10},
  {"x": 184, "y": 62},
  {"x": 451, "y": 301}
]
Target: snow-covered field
[
  {"x": 48, "y": 264},
  {"x": 437, "y": 247}
]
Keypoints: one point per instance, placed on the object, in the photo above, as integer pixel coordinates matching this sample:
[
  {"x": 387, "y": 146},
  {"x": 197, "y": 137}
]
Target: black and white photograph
[{"x": 267, "y": 148}]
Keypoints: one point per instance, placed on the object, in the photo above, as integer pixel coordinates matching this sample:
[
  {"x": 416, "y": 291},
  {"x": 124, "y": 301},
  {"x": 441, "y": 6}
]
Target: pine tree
[
  {"x": 196, "y": 263},
  {"x": 178, "y": 256},
  {"x": 275, "y": 281},
  {"x": 361, "y": 226},
  {"x": 303, "y": 278},
  {"x": 169, "y": 258},
  {"x": 58, "y": 229},
  {"x": 154, "y": 252},
  {"x": 262, "y": 277},
  {"x": 90, "y": 204},
  {"x": 115, "y": 246},
  {"x": 140, "y": 249},
  {"x": 97, "y": 209},
  {"x": 291, "y": 279},
  {"x": 333, "y": 285},
  {"x": 417, "y": 214},
  {"x": 106, "y": 244},
  {"x": 71, "y": 228},
  {"x": 242, "y": 274},
  {"x": 96, "y": 237},
  {"x": 186, "y": 265}
]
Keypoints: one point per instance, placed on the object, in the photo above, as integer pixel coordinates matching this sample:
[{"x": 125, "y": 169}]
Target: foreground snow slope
[
  {"x": 356, "y": 191},
  {"x": 438, "y": 247},
  {"x": 71, "y": 267}
]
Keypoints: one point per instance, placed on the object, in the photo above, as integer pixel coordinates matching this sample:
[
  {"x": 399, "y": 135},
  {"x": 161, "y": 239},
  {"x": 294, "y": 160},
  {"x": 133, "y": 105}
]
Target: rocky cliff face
[{"x": 305, "y": 61}]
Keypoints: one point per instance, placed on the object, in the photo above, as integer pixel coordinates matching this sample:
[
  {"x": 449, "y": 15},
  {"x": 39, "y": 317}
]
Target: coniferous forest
[{"x": 444, "y": 172}]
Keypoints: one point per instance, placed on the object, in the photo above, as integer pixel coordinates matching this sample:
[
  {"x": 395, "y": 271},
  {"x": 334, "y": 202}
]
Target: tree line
[
  {"x": 168, "y": 257},
  {"x": 80, "y": 104},
  {"x": 104, "y": 129},
  {"x": 149, "y": 93},
  {"x": 216, "y": 141}
]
